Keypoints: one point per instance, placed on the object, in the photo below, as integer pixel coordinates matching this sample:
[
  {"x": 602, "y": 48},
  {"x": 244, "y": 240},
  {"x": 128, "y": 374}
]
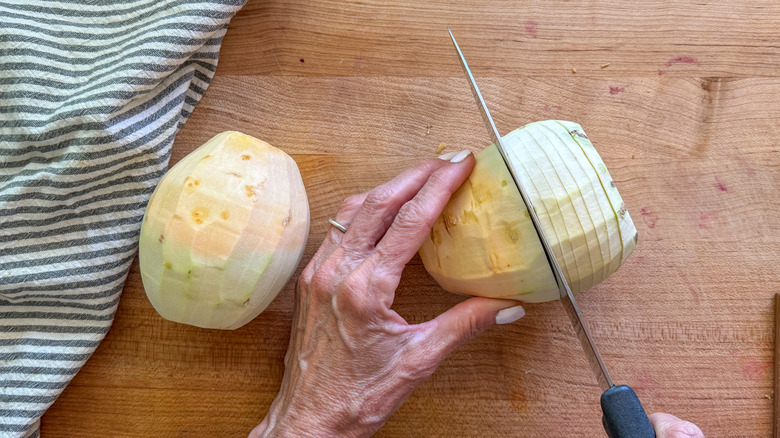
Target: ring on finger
[{"x": 338, "y": 226}]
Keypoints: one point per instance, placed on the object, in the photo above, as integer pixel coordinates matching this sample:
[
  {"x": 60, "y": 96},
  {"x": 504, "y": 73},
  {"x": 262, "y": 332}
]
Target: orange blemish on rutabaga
[
  {"x": 199, "y": 215},
  {"x": 251, "y": 191},
  {"x": 191, "y": 182}
]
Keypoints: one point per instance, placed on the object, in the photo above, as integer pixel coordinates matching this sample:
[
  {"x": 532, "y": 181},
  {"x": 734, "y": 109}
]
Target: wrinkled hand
[
  {"x": 669, "y": 426},
  {"x": 352, "y": 361}
]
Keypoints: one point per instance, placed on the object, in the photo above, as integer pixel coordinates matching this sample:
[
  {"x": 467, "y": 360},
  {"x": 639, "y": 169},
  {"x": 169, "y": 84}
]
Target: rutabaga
[
  {"x": 485, "y": 244},
  {"x": 223, "y": 232}
]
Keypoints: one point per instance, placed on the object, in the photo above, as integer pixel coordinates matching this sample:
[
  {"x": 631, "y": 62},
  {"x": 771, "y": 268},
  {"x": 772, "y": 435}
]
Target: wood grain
[
  {"x": 695, "y": 151},
  {"x": 505, "y": 37},
  {"x": 776, "y": 413}
]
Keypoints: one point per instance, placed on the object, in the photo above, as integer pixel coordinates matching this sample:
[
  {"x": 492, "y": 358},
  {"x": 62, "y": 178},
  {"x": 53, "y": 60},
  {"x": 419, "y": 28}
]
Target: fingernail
[
  {"x": 447, "y": 156},
  {"x": 460, "y": 156},
  {"x": 510, "y": 314}
]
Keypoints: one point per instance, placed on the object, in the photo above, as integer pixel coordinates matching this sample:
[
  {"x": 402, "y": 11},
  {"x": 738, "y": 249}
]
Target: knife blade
[
  {"x": 624, "y": 415},
  {"x": 567, "y": 298}
]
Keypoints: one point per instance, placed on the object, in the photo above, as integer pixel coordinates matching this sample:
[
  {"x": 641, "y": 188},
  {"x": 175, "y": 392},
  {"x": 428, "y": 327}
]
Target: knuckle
[
  {"x": 321, "y": 283},
  {"x": 438, "y": 179},
  {"x": 428, "y": 167},
  {"x": 384, "y": 260},
  {"x": 472, "y": 327},
  {"x": 378, "y": 198},
  {"x": 352, "y": 203},
  {"x": 413, "y": 215},
  {"x": 354, "y": 293},
  {"x": 353, "y": 249},
  {"x": 467, "y": 327}
]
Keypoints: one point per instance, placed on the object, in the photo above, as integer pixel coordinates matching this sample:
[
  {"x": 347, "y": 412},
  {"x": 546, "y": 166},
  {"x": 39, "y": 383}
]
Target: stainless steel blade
[
  {"x": 586, "y": 340},
  {"x": 567, "y": 298}
]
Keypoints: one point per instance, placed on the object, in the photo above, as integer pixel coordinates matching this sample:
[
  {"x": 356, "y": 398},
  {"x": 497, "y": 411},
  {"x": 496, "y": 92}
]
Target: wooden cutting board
[{"x": 682, "y": 100}]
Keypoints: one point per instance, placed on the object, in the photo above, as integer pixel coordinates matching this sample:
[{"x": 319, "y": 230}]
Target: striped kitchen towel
[{"x": 92, "y": 94}]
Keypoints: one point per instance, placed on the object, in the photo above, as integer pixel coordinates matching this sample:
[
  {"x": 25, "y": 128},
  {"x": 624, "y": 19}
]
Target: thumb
[
  {"x": 669, "y": 426},
  {"x": 470, "y": 318}
]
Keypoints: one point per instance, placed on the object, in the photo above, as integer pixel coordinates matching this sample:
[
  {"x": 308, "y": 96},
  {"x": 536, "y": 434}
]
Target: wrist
[
  {"x": 291, "y": 424},
  {"x": 308, "y": 423}
]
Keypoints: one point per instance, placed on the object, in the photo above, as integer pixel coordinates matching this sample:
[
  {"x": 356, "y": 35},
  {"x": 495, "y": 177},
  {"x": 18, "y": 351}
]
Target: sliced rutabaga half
[
  {"x": 223, "y": 232},
  {"x": 485, "y": 244}
]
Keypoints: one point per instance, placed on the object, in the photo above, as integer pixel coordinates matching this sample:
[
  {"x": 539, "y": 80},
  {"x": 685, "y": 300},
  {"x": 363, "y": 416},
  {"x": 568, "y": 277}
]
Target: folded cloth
[{"x": 92, "y": 94}]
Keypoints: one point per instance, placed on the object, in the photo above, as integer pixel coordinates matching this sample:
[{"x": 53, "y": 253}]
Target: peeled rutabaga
[
  {"x": 223, "y": 232},
  {"x": 484, "y": 242}
]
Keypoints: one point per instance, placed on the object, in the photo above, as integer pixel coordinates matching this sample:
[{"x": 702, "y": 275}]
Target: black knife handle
[{"x": 624, "y": 416}]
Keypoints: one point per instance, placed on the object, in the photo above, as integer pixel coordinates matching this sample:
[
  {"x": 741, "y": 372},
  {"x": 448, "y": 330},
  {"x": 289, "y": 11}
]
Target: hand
[
  {"x": 669, "y": 426},
  {"x": 352, "y": 361}
]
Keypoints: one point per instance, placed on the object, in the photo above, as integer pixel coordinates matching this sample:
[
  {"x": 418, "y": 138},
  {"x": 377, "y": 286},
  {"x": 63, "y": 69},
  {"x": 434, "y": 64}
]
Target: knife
[{"x": 624, "y": 416}]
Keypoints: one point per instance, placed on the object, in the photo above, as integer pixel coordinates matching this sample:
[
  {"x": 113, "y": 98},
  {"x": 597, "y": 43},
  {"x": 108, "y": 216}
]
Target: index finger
[{"x": 417, "y": 216}]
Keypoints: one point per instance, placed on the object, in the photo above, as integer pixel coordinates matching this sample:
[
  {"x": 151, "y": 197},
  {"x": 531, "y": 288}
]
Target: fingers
[
  {"x": 381, "y": 205},
  {"x": 468, "y": 319},
  {"x": 669, "y": 426},
  {"x": 416, "y": 198},
  {"x": 345, "y": 216},
  {"x": 416, "y": 217}
]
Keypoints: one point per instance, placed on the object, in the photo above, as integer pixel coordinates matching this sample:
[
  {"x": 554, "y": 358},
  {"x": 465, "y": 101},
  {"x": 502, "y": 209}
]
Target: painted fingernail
[
  {"x": 460, "y": 156},
  {"x": 510, "y": 314},
  {"x": 447, "y": 156}
]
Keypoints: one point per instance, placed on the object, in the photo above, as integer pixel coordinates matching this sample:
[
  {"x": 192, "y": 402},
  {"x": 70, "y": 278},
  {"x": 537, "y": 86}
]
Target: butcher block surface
[{"x": 682, "y": 101}]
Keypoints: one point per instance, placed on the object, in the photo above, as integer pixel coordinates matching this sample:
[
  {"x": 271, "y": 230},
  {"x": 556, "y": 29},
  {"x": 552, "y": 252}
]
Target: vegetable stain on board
[
  {"x": 649, "y": 217},
  {"x": 616, "y": 90},
  {"x": 358, "y": 63},
  {"x": 706, "y": 220},
  {"x": 712, "y": 88},
  {"x": 531, "y": 28},
  {"x": 720, "y": 186},
  {"x": 517, "y": 394},
  {"x": 690, "y": 285},
  {"x": 679, "y": 60},
  {"x": 645, "y": 381},
  {"x": 682, "y": 60},
  {"x": 709, "y": 104},
  {"x": 753, "y": 369},
  {"x": 745, "y": 164}
]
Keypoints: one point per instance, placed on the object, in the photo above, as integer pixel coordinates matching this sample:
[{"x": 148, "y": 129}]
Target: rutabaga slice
[{"x": 561, "y": 201}]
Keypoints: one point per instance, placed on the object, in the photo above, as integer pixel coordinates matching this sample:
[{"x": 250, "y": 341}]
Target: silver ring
[{"x": 340, "y": 227}]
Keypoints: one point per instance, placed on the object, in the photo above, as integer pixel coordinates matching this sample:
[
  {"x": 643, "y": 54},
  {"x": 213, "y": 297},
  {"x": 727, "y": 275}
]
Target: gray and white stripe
[{"x": 92, "y": 94}]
